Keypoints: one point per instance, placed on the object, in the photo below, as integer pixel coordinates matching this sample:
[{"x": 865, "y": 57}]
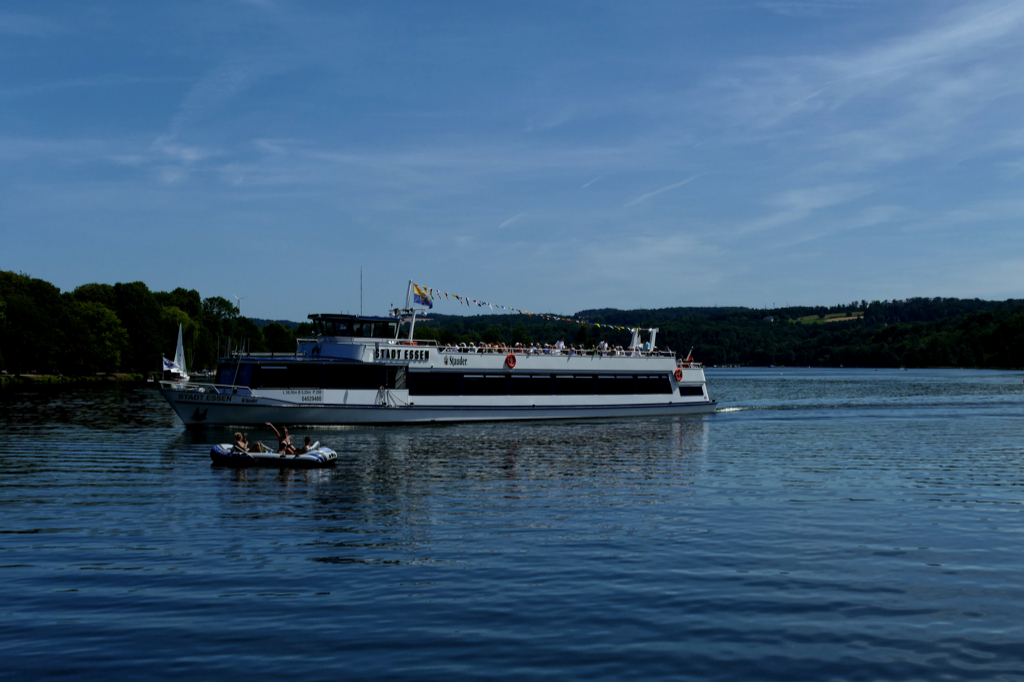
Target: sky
[{"x": 548, "y": 156}]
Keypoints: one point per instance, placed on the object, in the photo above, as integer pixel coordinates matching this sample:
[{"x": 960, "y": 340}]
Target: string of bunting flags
[{"x": 426, "y": 296}]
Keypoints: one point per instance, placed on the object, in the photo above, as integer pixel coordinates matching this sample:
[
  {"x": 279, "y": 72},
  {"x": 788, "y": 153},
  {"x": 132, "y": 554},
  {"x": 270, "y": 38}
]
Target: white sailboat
[{"x": 176, "y": 370}]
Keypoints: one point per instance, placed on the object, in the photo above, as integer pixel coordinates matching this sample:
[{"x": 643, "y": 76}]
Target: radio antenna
[{"x": 360, "y": 290}]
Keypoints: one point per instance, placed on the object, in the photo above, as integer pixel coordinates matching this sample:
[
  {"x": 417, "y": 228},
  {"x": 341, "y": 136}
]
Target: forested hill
[
  {"x": 881, "y": 312},
  {"x": 127, "y": 327},
  {"x": 917, "y": 332},
  {"x": 121, "y": 327}
]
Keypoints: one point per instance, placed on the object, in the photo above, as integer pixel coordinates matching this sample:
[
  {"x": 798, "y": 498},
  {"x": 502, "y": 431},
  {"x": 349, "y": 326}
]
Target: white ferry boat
[{"x": 369, "y": 370}]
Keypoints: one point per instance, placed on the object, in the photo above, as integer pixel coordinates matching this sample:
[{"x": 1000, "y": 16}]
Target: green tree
[
  {"x": 139, "y": 312},
  {"x": 3, "y": 322},
  {"x": 187, "y": 300},
  {"x": 36, "y": 319},
  {"x": 246, "y": 334},
  {"x": 95, "y": 341},
  {"x": 220, "y": 309},
  {"x": 582, "y": 337},
  {"x": 426, "y": 333},
  {"x": 279, "y": 338},
  {"x": 493, "y": 334},
  {"x": 520, "y": 334},
  {"x": 216, "y": 329},
  {"x": 96, "y": 293}
]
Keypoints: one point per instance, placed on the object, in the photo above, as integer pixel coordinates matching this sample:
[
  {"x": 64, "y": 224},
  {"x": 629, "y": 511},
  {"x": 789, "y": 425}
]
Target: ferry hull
[{"x": 221, "y": 410}]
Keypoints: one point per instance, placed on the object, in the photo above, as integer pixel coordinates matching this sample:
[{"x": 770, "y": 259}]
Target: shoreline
[{"x": 27, "y": 380}]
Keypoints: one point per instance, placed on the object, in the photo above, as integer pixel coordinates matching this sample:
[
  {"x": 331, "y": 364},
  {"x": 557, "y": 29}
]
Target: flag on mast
[{"x": 421, "y": 296}]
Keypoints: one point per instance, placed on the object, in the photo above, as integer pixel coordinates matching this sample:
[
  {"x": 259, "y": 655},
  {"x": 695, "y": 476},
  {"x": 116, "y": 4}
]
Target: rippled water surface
[{"x": 840, "y": 524}]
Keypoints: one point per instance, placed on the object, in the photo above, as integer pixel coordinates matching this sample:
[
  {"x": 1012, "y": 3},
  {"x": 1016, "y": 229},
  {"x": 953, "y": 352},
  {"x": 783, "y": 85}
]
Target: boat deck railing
[
  {"x": 370, "y": 339},
  {"x": 206, "y": 387},
  {"x": 567, "y": 352}
]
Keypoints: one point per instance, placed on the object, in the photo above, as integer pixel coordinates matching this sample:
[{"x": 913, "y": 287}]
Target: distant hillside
[
  {"x": 287, "y": 324},
  {"x": 917, "y": 332},
  {"x": 126, "y": 327}
]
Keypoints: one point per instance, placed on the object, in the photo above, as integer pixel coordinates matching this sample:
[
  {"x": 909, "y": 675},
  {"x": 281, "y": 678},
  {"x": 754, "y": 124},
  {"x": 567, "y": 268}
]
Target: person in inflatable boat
[{"x": 284, "y": 441}]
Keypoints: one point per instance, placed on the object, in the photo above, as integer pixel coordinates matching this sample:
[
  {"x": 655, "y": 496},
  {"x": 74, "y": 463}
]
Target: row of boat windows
[
  {"x": 341, "y": 375},
  {"x": 353, "y": 376},
  {"x": 358, "y": 328},
  {"x": 422, "y": 383}
]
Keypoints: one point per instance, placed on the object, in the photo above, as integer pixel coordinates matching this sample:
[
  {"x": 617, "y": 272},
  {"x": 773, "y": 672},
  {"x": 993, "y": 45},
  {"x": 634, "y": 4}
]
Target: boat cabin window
[
  {"x": 313, "y": 375},
  {"x": 336, "y": 328},
  {"x": 356, "y": 328},
  {"x": 451, "y": 383},
  {"x": 375, "y": 330},
  {"x": 364, "y": 329}
]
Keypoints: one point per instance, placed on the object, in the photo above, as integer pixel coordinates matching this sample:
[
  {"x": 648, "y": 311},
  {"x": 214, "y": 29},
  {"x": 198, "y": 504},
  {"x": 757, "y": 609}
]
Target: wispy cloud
[
  {"x": 857, "y": 219},
  {"x": 550, "y": 120},
  {"x": 913, "y": 72},
  {"x": 588, "y": 184},
  {"x": 214, "y": 90},
  {"x": 30, "y": 26},
  {"x": 185, "y": 154},
  {"x": 67, "y": 151},
  {"x": 654, "y": 256},
  {"x": 511, "y": 220},
  {"x": 644, "y": 197},
  {"x": 796, "y": 205},
  {"x": 112, "y": 81},
  {"x": 805, "y": 7}
]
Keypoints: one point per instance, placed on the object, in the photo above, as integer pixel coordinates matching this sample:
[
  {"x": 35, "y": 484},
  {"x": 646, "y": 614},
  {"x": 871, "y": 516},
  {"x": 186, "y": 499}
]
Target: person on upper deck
[
  {"x": 560, "y": 345},
  {"x": 603, "y": 347}
]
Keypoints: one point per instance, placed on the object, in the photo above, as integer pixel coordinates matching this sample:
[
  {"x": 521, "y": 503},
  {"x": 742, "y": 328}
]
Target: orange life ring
[
  {"x": 510, "y": 360},
  {"x": 679, "y": 374}
]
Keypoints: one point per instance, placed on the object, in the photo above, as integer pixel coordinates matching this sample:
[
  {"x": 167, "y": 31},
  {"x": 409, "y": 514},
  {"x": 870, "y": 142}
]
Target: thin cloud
[
  {"x": 100, "y": 82},
  {"x": 30, "y": 26},
  {"x": 588, "y": 184},
  {"x": 644, "y": 197},
  {"x": 794, "y": 9},
  {"x": 511, "y": 220},
  {"x": 218, "y": 87},
  {"x": 920, "y": 63},
  {"x": 796, "y": 205}
]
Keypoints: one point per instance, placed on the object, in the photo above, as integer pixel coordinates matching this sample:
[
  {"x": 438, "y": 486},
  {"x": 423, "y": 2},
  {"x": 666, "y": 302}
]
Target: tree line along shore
[{"x": 122, "y": 330}]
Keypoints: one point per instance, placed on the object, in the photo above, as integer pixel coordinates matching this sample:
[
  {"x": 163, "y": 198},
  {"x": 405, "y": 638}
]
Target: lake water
[{"x": 842, "y": 524}]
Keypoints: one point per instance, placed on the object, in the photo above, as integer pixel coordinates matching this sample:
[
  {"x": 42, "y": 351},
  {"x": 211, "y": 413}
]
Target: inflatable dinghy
[{"x": 228, "y": 455}]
